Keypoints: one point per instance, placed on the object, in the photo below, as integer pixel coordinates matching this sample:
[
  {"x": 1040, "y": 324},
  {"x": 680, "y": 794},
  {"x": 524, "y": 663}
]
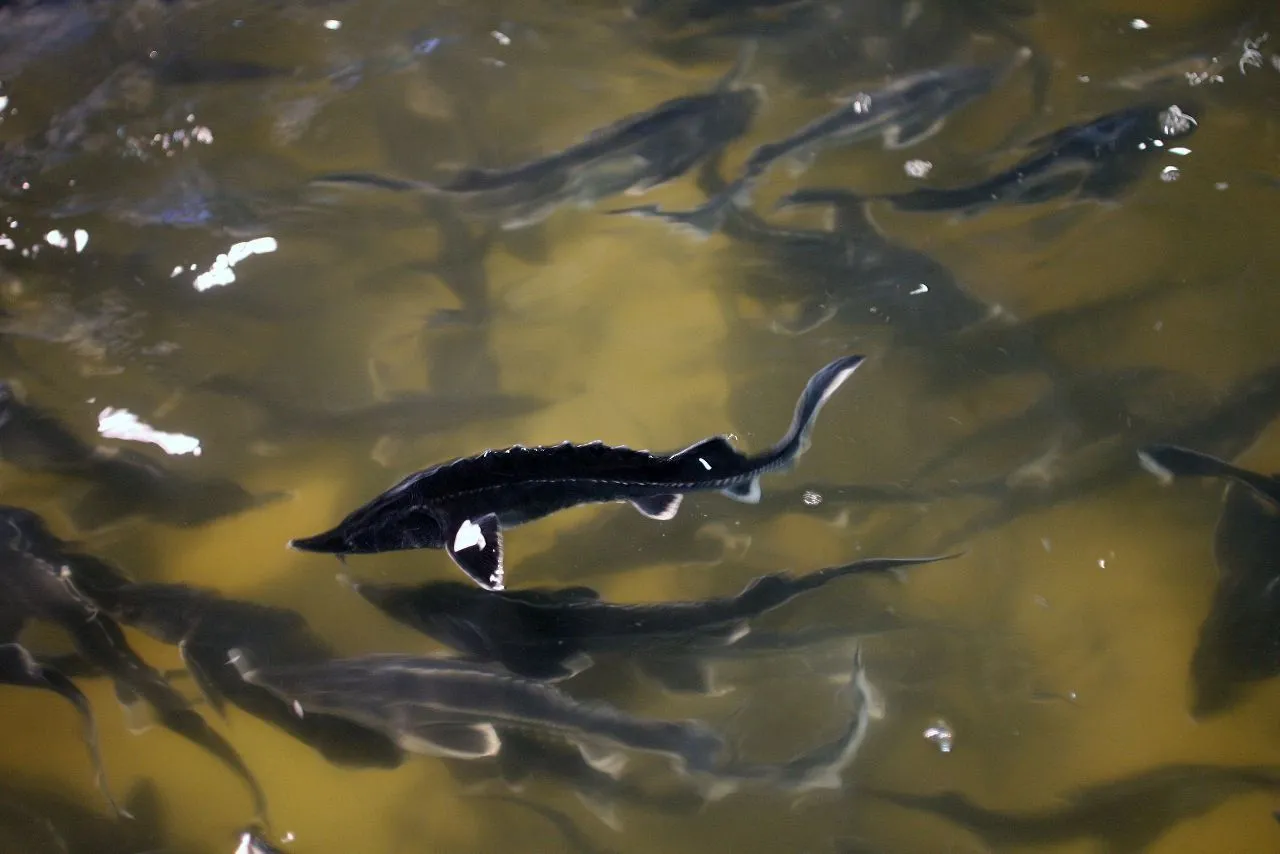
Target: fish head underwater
[{"x": 378, "y": 527}]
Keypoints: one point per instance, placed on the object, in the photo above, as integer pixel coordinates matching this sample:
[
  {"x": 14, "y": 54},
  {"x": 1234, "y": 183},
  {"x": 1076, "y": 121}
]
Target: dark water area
[{"x": 259, "y": 261}]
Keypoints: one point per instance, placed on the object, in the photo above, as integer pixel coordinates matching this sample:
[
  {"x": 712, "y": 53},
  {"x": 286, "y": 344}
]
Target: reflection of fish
[
  {"x": 1094, "y": 160},
  {"x": 1240, "y": 639},
  {"x": 40, "y": 580},
  {"x": 544, "y": 633},
  {"x": 903, "y": 113},
  {"x": 1124, "y": 816},
  {"x": 447, "y": 707},
  {"x": 632, "y": 155},
  {"x": 205, "y": 626},
  {"x": 462, "y": 505},
  {"x": 42, "y": 821}
]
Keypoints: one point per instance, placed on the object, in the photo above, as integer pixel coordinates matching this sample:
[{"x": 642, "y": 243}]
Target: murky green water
[{"x": 1055, "y": 650}]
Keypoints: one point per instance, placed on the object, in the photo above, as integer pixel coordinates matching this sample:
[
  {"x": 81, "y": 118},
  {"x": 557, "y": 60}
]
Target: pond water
[{"x": 261, "y": 260}]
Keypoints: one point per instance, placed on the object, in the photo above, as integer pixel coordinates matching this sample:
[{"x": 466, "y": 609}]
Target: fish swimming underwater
[
  {"x": 122, "y": 482},
  {"x": 903, "y": 113},
  {"x": 453, "y": 708},
  {"x": 19, "y": 667},
  {"x": 405, "y": 414},
  {"x": 35, "y": 819},
  {"x": 205, "y": 626},
  {"x": 633, "y": 155},
  {"x": 463, "y": 505},
  {"x": 40, "y": 579},
  {"x": 1239, "y": 641},
  {"x": 1094, "y": 160},
  {"x": 461, "y": 710},
  {"x": 543, "y": 633},
  {"x": 1125, "y": 816}
]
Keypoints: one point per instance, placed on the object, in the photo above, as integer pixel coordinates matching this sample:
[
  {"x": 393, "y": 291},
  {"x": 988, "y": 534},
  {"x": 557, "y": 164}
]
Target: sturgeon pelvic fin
[
  {"x": 660, "y": 507},
  {"x": 476, "y": 547}
]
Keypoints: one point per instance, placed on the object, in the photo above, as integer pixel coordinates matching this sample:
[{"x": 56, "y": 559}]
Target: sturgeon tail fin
[{"x": 816, "y": 393}]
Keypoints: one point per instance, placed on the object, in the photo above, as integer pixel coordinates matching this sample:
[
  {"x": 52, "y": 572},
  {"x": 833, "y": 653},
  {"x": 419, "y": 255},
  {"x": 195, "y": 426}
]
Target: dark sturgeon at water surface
[
  {"x": 463, "y": 505},
  {"x": 543, "y": 633}
]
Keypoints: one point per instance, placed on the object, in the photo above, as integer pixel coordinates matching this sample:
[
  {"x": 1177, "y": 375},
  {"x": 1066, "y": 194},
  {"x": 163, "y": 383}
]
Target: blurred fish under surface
[
  {"x": 1239, "y": 641},
  {"x": 1123, "y": 816},
  {"x": 122, "y": 482},
  {"x": 633, "y": 155}
]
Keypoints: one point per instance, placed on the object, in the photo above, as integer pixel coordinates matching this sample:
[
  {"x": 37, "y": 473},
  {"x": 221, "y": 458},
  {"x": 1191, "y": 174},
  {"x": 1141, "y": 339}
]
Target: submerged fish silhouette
[
  {"x": 453, "y": 708},
  {"x": 18, "y": 667},
  {"x": 122, "y": 482},
  {"x": 905, "y": 112},
  {"x": 1239, "y": 641},
  {"x": 542, "y": 633},
  {"x": 462, "y": 505},
  {"x": 1124, "y": 816},
  {"x": 205, "y": 626},
  {"x": 36, "y": 818},
  {"x": 1095, "y": 159},
  {"x": 40, "y": 578},
  {"x": 633, "y": 155}
]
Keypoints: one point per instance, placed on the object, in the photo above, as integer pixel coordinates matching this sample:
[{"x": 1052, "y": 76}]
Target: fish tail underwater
[{"x": 744, "y": 425}]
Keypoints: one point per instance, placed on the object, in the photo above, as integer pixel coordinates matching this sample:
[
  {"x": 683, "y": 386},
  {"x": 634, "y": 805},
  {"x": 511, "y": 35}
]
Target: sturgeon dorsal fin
[{"x": 714, "y": 455}]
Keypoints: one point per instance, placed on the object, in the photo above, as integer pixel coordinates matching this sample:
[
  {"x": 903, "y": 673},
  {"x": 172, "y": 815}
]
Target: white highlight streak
[
  {"x": 123, "y": 424},
  {"x": 221, "y": 273}
]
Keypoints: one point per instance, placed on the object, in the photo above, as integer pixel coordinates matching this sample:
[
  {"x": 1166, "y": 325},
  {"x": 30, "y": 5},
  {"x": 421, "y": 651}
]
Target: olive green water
[{"x": 637, "y": 335}]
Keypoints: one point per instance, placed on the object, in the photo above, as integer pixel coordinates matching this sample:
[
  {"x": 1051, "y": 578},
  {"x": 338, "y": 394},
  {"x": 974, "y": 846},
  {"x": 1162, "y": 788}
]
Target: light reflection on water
[{"x": 1054, "y": 654}]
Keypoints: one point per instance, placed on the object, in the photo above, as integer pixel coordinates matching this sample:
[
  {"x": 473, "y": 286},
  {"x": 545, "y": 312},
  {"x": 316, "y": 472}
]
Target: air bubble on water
[
  {"x": 1139, "y": 24},
  {"x": 811, "y": 498},
  {"x": 941, "y": 734},
  {"x": 917, "y": 168},
  {"x": 1175, "y": 121},
  {"x": 1170, "y": 173}
]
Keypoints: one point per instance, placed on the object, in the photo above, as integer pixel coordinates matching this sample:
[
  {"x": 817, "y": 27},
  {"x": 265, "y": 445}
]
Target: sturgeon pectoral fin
[
  {"x": 476, "y": 547},
  {"x": 747, "y": 491},
  {"x": 660, "y": 507},
  {"x": 457, "y": 741}
]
